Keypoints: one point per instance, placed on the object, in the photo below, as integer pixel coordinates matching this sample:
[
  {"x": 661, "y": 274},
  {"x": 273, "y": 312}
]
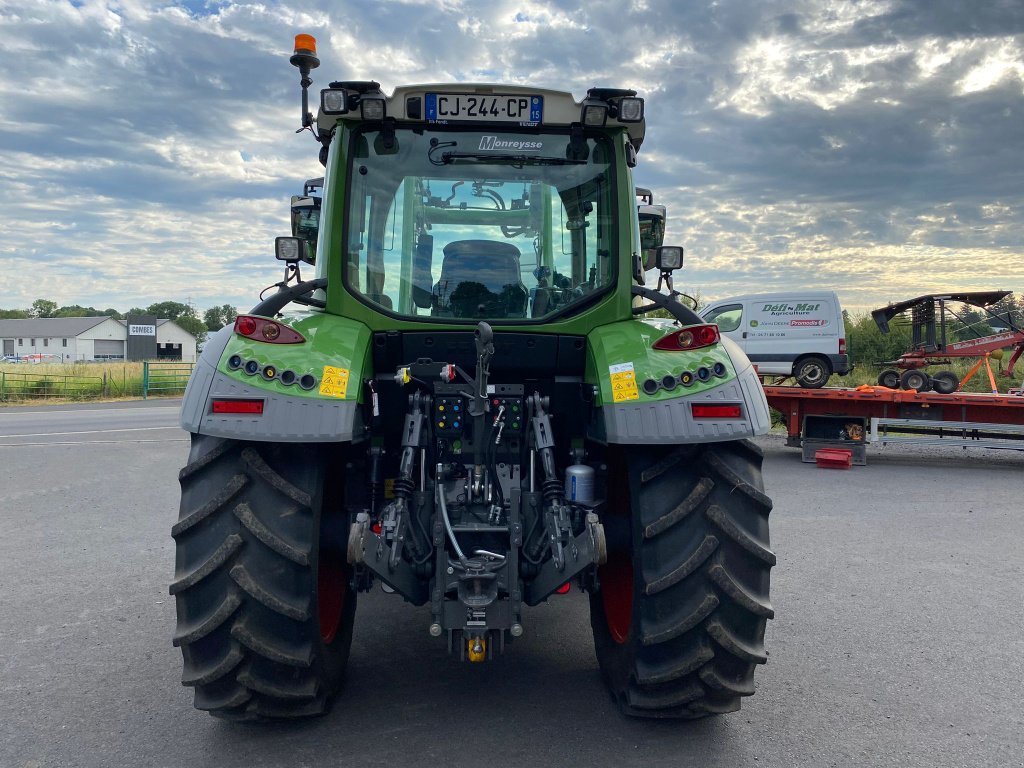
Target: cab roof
[{"x": 406, "y": 103}]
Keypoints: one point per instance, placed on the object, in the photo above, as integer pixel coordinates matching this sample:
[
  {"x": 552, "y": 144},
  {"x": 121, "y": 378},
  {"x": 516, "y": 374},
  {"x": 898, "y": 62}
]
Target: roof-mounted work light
[
  {"x": 594, "y": 113},
  {"x": 631, "y": 110},
  {"x": 334, "y": 101},
  {"x": 372, "y": 107}
]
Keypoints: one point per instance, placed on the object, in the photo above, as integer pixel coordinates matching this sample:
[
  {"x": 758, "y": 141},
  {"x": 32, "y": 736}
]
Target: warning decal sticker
[
  {"x": 623, "y": 379},
  {"x": 334, "y": 382}
]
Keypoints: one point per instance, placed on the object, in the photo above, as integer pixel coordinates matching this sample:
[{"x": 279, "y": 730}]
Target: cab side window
[{"x": 727, "y": 317}]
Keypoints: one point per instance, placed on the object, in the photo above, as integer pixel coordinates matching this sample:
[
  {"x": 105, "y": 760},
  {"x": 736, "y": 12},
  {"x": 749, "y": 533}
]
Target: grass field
[{"x": 29, "y": 382}]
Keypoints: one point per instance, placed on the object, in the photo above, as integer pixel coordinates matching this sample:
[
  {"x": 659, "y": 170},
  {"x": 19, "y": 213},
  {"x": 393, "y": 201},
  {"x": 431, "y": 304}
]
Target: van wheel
[{"x": 812, "y": 372}]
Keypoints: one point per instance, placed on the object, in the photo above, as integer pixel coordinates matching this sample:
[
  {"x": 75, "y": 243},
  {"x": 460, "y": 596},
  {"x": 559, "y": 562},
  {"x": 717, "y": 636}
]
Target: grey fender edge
[
  {"x": 284, "y": 418},
  {"x": 671, "y": 421}
]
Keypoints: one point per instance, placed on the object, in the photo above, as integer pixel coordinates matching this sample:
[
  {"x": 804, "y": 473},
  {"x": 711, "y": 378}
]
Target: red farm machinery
[{"x": 930, "y": 345}]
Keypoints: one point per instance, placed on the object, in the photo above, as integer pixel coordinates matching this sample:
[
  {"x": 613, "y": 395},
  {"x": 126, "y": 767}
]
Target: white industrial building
[{"x": 70, "y": 339}]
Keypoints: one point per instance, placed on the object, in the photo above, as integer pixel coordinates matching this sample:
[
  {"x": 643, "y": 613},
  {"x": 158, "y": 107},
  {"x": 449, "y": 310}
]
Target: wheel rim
[
  {"x": 330, "y": 597},
  {"x": 813, "y": 373},
  {"x": 617, "y": 594}
]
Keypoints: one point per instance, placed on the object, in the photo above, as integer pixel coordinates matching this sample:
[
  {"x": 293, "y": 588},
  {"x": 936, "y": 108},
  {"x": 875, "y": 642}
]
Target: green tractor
[{"x": 468, "y": 406}]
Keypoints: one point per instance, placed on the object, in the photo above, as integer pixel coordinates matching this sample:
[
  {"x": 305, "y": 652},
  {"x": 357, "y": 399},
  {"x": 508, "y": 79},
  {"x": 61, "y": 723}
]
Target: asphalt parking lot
[{"x": 897, "y": 639}]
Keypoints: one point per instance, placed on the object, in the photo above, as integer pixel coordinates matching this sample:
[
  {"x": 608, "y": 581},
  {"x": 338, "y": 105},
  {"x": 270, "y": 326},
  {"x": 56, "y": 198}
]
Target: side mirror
[
  {"x": 290, "y": 249},
  {"x": 652, "y": 230},
  {"x": 306, "y": 223}
]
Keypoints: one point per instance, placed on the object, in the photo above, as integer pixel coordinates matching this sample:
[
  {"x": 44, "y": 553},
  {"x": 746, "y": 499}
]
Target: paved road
[
  {"x": 897, "y": 640},
  {"x": 77, "y": 423}
]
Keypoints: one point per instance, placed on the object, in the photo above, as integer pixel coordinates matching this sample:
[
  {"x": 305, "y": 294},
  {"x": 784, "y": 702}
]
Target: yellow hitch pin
[
  {"x": 476, "y": 649},
  {"x": 402, "y": 376}
]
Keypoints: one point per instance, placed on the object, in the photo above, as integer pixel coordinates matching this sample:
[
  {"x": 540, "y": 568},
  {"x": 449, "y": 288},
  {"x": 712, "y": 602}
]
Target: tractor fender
[{"x": 285, "y": 419}]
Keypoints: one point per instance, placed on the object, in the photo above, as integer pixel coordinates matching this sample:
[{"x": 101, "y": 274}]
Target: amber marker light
[{"x": 305, "y": 44}]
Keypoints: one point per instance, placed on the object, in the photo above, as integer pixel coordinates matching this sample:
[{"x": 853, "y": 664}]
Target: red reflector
[
  {"x": 245, "y": 325},
  {"x": 238, "y": 406},
  {"x": 691, "y": 337},
  {"x": 264, "y": 329},
  {"x": 717, "y": 412},
  {"x": 564, "y": 589},
  {"x": 376, "y": 528}
]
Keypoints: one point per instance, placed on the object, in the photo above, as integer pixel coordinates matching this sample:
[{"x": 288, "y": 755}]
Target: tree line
[{"x": 185, "y": 316}]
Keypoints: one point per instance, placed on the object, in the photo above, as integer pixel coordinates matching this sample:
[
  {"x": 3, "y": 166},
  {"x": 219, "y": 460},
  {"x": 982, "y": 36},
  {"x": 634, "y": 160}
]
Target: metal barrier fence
[
  {"x": 165, "y": 377},
  {"x": 19, "y": 385}
]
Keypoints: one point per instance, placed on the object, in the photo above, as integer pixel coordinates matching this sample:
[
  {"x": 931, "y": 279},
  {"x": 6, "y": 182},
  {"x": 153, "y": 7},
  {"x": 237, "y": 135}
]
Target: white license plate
[{"x": 506, "y": 108}]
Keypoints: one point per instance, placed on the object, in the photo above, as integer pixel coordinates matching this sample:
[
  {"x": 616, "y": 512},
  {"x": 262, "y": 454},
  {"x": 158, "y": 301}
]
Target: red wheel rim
[
  {"x": 330, "y": 597},
  {"x": 617, "y": 594}
]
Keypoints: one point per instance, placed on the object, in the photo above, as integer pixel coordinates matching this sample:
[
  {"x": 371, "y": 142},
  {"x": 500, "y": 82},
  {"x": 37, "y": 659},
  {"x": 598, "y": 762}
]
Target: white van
[{"x": 797, "y": 334}]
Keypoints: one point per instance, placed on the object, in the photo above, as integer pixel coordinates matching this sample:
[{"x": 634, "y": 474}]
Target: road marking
[
  {"x": 90, "y": 432},
  {"x": 95, "y": 442},
  {"x": 90, "y": 410}
]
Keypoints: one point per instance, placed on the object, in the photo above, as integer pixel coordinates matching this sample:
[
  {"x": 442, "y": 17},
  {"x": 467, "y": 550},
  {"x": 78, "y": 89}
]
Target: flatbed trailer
[{"x": 960, "y": 418}]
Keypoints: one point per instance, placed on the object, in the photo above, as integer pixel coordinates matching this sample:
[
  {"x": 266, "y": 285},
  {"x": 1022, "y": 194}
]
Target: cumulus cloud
[{"x": 147, "y": 147}]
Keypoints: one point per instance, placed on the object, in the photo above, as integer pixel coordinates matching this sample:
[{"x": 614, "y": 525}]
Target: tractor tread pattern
[
  {"x": 216, "y": 560},
  {"x": 228, "y": 492},
  {"x": 701, "y": 602},
  {"x": 681, "y": 510},
  {"x": 192, "y": 631},
  {"x": 694, "y": 561},
  {"x": 293, "y": 609},
  {"x": 684, "y": 624},
  {"x": 252, "y": 459},
  {"x": 244, "y": 583},
  {"x": 194, "y": 675},
  {"x": 252, "y": 523}
]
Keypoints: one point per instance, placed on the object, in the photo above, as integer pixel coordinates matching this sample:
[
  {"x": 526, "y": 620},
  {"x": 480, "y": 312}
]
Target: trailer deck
[{"x": 964, "y": 417}]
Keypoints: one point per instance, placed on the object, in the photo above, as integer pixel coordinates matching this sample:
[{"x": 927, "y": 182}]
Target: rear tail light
[
  {"x": 691, "y": 337},
  {"x": 700, "y": 411},
  {"x": 842, "y": 346},
  {"x": 238, "y": 406},
  {"x": 263, "y": 329}
]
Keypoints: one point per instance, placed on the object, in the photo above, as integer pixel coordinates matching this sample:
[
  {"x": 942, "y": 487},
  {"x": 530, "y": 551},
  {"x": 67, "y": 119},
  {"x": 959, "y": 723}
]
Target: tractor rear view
[{"x": 469, "y": 407}]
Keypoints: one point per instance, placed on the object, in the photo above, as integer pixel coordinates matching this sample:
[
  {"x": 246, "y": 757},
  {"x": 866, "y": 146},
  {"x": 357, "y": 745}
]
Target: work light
[
  {"x": 333, "y": 101},
  {"x": 372, "y": 107},
  {"x": 594, "y": 113},
  {"x": 631, "y": 110}
]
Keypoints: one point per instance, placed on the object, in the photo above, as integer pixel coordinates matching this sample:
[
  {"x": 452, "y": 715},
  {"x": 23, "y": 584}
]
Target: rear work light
[
  {"x": 262, "y": 329},
  {"x": 238, "y": 406},
  {"x": 733, "y": 411},
  {"x": 691, "y": 337}
]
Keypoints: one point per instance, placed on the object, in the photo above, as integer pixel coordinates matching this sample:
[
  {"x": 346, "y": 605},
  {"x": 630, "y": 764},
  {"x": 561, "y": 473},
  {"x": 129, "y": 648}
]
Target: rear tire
[
  {"x": 889, "y": 378},
  {"x": 945, "y": 382},
  {"x": 680, "y": 611},
  {"x": 812, "y": 372},
  {"x": 915, "y": 379},
  {"x": 264, "y": 607}
]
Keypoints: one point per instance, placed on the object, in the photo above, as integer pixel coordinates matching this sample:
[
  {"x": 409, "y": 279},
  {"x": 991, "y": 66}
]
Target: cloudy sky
[{"x": 147, "y": 149}]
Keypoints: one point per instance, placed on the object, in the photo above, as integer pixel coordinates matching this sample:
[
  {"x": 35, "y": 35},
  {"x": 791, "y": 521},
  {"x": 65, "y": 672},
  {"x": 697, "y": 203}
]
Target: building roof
[{"x": 49, "y": 327}]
